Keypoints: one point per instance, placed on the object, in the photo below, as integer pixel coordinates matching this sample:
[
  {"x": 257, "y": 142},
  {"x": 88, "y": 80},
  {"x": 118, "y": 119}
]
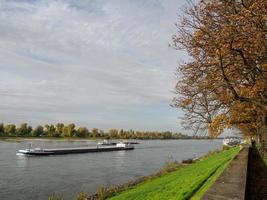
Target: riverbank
[
  {"x": 174, "y": 181},
  {"x": 18, "y": 139}
]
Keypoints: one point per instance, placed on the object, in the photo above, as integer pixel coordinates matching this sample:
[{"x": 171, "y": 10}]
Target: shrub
[
  {"x": 226, "y": 147},
  {"x": 81, "y": 196},
  {"x": 55, "y": 197}
]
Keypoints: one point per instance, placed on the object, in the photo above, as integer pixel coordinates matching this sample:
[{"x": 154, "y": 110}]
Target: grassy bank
[{"x": 189, "y": 182}]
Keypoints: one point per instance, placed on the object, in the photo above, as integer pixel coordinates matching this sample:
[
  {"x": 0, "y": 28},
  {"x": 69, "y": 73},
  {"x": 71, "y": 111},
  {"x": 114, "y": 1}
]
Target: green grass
[{"x": 189, "y": 182}]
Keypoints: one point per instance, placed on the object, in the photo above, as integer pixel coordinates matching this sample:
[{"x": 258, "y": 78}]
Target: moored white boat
[
  {"x": 231, "y": 141},
  {"x": 125, "y": 145},
  {"x": 106, "y": 143}
]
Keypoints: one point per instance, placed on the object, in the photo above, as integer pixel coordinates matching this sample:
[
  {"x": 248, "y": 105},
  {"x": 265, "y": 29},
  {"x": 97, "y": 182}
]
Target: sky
[{"x": 104, "y": 64}]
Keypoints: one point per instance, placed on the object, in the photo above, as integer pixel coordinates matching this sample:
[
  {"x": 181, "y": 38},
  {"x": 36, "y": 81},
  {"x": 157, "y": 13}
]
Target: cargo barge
[{"x": 60, "y": 151}]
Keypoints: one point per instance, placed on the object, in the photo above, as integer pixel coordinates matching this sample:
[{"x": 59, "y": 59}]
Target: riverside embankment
[
  {"x": 230, "y": 174},
  {"x": 188, "y": 182}
]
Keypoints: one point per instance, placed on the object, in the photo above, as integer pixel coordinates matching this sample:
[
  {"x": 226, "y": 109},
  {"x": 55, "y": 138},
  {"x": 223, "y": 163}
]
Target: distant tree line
[{"x": 61, "y": 130}]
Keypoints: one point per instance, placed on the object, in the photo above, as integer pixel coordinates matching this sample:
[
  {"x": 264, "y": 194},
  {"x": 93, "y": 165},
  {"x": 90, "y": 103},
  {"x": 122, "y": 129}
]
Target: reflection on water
[
  {"x": 34, "y": 177},
  {"x": 21, "y": 161},
  {"x": 120, "y": 158}
]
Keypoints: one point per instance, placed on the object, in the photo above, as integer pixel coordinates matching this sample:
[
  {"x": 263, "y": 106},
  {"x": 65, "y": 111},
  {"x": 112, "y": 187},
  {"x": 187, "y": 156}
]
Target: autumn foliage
[{"x": 225, "y": 82}]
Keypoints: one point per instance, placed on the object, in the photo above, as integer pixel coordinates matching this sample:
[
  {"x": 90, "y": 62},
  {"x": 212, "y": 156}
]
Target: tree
[
  {"x": 50, "y": 130},
  {"x": 122, "y": 134},
  {"x": 29, "y": 130},
  {"x": 10, "y": 130},
  {"x": 167, "y": 135},
  {"x": 113, "y": 133},
  {"x": 2, "y": 129},
  {"x": 224, "y": 84},
  {"x": 82, "y": 132},
  {"x": 95, "y": 133},
  {"x": 38, "y": 131},
  {"x": 59, "y": 129},
  {"x": 101, "y": 133},
  {"x": 65, "y": 132},
  {"x": 24, "y": 130},
  {"x": 69, "y": 130},
  {"x": 131, "y": 134}
]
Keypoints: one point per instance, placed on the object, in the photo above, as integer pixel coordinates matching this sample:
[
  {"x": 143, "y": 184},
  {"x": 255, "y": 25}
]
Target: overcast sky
[{"x": 103, "y": 64}]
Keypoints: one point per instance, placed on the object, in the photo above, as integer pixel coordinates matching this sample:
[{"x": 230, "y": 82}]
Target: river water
[{"x": 26, "y": 178}]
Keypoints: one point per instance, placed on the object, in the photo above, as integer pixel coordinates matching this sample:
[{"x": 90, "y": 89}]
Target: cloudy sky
[{"x": 96, "y": 63}]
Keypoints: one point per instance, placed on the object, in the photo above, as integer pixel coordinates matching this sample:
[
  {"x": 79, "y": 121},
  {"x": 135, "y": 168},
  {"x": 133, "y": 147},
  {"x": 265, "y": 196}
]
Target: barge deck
[{"x": 60, "y": 151}]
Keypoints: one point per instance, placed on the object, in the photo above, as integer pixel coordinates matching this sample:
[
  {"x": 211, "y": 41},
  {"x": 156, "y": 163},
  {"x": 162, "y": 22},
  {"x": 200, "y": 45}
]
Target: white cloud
[{"x": 80, "y": 60}]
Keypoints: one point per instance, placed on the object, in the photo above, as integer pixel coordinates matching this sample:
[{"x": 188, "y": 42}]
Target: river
[{"x": 26, "y": 178}]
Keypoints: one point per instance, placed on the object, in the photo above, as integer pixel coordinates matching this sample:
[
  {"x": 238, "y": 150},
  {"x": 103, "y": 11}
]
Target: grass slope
[{"x": 189, "y": 182}]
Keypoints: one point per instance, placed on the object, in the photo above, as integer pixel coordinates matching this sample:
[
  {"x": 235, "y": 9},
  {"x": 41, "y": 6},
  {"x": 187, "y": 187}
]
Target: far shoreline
[{"x": 4, "y": 138}]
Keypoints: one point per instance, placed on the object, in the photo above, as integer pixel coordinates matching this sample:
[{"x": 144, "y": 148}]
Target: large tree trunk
[{"x": 263, "y": 132}]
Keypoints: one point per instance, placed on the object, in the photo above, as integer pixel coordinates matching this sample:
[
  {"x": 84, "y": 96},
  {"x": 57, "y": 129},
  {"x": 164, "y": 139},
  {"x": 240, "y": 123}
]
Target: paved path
[{"x": 231, "y": 185}]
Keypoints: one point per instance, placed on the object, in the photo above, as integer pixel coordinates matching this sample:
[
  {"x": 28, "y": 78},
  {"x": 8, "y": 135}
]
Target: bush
[
  {"x": 226, "y": 147},
  {"x": 188, "y": 161},
  {"x": 55, "y": 197},
  {"x": 81, "y": 196},
  {"x": 102, "y": 193}
]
